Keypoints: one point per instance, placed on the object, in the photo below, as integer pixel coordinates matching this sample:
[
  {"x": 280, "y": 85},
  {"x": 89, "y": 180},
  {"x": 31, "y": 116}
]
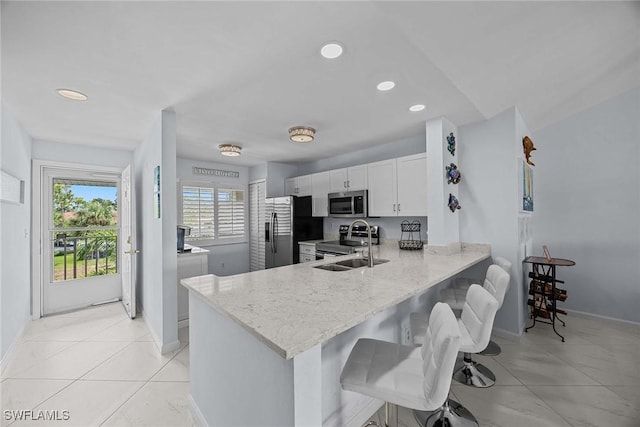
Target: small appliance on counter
[
  {"x": 359, "y": 236},
  {"x": 183, "y": 231}
]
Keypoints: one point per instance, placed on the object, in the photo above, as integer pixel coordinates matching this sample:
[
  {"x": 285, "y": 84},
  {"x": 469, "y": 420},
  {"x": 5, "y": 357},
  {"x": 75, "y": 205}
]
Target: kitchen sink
[
  {"x": 349, "y": 264},
  {"x": 332, "y": 267},
  {"x": 360, "y": 262}
]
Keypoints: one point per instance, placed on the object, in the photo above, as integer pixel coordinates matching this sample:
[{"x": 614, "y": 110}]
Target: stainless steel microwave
[{"x": 348, "y": 204}]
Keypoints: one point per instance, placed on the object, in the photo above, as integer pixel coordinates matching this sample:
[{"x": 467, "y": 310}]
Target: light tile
[
  {"x": 28, "y": 353},
  {"x": 631, "y": 393},
  {"x": 139, "y": 361},
  {"x": 125, "y": 330},
  {"x": 27, "y": 394},
  {"x": 533, "y": 366},
  {"x": 589, "y": 406},
  {"x": 605, "y": 366},
  {"x": 156, "y": 404},
  {"x": 507, "y": 406},
  {"x": 68, "y": 328},
  {"x": 74, "y": 361},
  {"x": 88, "y": 403},
  {"x": 176, "y": 370}
]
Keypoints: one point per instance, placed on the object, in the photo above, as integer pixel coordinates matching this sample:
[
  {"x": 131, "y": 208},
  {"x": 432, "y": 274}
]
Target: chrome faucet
[{"x": 370, "y": 255}]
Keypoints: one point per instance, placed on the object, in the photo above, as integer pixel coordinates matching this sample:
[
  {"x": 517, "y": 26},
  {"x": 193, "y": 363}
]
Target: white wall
[
  {"x": 157, "y": 263},
  {"x": 15, "y": 247},
  {"x": 73, "y": 153},
  {"x": 587, "y": 199},
  {"x": 223, "y": 260},
  {"x": 445, "y": 227},
  {"x": 276, "y": 174},
  {"x": 489, "y": 198}
]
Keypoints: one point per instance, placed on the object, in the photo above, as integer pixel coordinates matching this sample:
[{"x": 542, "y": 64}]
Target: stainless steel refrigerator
[{"x": 288, "y": 221}]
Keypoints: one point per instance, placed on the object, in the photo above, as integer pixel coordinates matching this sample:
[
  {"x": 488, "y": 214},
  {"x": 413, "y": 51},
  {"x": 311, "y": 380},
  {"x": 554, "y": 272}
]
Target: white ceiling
[{"x": 244, "y": 72}]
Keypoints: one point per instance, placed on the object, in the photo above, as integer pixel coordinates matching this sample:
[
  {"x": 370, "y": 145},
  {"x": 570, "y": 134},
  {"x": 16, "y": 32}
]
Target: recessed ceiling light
[
  {"x": 72, "y": 94},
  {"x": 384, "y": 86},
  {"x": 331, "y": 50},
  {"x": 416, "y": 108}
]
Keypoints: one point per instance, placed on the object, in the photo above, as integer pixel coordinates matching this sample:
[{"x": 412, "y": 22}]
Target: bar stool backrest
[
  {"x": 477, "y": 317},
  {"x": 497, "y": 283},
  {"x": 504, "y": 263},
  {"x": 439, "y": 351}
]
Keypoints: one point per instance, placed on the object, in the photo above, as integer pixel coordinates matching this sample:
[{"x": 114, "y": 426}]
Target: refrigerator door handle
[{"x": 275, "y": 233}]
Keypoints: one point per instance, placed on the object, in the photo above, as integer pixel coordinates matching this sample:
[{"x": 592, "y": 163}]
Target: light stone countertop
[
  {"x": 195, "y": 250},
  {"x": 295, "y": 307}
]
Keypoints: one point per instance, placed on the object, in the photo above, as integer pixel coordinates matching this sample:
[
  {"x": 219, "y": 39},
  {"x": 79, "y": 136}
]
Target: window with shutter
[{"x": 215, "y": 215}]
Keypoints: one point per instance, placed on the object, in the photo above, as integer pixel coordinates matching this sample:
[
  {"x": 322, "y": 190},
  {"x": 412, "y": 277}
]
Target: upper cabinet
[
  {"x": 298, "y": 186},
  {"x": 398, "y": 187},
  {"x": 319, "y": 192},
  {"x": 348, "y": 179}
]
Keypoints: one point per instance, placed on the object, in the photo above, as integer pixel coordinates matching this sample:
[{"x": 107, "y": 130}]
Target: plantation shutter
[
  {"x": 231, "y": 214},
  {"x": 198, "y": 212},
  {"x": 256, "y": 223}
]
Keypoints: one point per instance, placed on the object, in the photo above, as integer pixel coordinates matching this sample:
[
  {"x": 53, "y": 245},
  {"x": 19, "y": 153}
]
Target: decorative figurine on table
[
  {"x": 527, "y": 147},
  {"x": 451, "y": 144},
  {"x": 453, "y": 175},
  {"x": 453, "y": 203}
]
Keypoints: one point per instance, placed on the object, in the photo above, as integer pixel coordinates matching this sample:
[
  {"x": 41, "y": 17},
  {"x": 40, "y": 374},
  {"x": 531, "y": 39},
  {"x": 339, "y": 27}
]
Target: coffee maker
[{"x": 183, "y": 231}]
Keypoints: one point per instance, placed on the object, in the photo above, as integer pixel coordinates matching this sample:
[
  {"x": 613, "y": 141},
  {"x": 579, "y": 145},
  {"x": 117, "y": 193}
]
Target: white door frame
[{"x": 37, "y": 265}]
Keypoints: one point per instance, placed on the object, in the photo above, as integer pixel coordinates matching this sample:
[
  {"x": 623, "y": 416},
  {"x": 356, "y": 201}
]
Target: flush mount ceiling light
[
  {"x": 331, "y": 50},
  {"x": 416, "y": 108},
  {"x": 72, "y": 94},
  {"x": 302, "y": 134},
  {"x": 387, "y": 85},
  {"x": 230, "y": 150}
]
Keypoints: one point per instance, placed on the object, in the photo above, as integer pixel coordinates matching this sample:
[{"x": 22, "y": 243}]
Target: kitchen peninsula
[{"x": 267, "y": 347}]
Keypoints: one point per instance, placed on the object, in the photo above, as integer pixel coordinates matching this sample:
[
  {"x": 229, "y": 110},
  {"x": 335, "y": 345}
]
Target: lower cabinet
[
  {"x": 307, "y": 252},
  {"x": 189, "y": 265}
]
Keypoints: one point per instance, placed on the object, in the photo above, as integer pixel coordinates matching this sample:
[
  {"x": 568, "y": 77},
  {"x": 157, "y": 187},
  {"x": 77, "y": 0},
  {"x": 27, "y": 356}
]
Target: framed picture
[{"x": 526, "y": 186}]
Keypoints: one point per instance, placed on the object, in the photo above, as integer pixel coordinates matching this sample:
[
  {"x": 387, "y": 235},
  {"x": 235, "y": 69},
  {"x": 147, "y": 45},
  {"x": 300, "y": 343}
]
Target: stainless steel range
[{"x": 345, "y": 247}]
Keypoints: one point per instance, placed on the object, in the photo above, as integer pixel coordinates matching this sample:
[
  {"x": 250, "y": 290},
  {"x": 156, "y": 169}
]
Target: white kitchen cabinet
[
  {"x": 398, "y": 187},
  {"x": 412, "y": 185},
  {"x": 383, "y": 188},
  {"x": 190, "y": 264},
  {"x": 319, "y": 192},
  {"x": 348, "y": 179},
  {"x": 307, "y": 251},
  {"x": 298, "y": 186}
]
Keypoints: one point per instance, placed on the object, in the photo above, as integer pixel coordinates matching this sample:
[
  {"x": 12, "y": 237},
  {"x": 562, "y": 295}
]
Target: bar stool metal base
[
  {"x": 452, "y": 414},
  {"x": 471, "y": 373},
  {"x": 493, "y": 349}
]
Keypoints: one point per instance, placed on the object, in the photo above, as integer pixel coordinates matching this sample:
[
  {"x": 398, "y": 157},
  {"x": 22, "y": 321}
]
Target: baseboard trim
[
  {"x": 508, "y": 335},
  {"x": 598, "y": 316},
  {"x": 195, "y": 411},
  {"x": 4, "y": 360},
  {"x": 357, "y": 418}
]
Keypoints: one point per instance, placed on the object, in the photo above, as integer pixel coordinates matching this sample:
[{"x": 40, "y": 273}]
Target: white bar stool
[
  {"x": 413, "y": 377},
  {"x": 475, "y": 327},
  {"x": 468, "y": 371},
  {"x": 456, "y": 295}
]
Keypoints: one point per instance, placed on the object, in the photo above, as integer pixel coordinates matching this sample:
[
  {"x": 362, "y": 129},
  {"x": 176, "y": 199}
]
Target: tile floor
[
  {"x": 101, "y": 367},
  {"x": 592, "y": 379},
  {"x": 104, "y": 369}
]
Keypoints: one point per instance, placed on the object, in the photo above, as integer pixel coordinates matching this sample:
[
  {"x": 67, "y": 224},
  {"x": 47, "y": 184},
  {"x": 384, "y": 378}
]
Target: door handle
[
  {"x": 398, "y": 207},
  {"x": 132, "y": 251},
  {"x": 348, "y": 183}
]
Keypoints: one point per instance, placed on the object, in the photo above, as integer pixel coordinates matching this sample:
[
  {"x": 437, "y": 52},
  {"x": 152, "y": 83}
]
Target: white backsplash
[{"x": 389, "y": 227}]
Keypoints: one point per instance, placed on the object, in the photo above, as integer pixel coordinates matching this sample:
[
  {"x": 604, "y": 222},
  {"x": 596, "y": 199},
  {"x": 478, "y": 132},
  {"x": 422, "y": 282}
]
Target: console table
[{"x": 544, "y": 292}]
